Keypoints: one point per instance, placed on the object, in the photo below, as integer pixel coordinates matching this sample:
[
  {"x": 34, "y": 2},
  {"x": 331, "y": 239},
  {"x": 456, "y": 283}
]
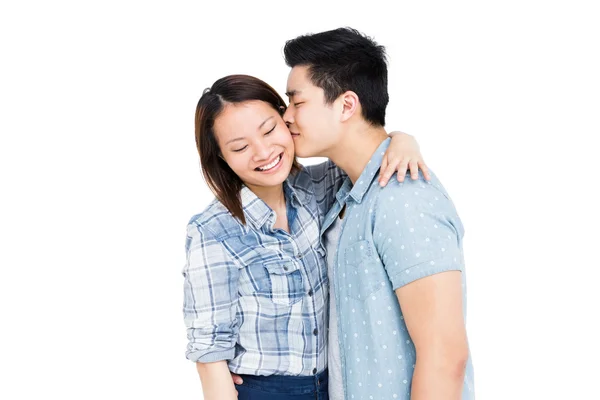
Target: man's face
[{"x": 313, "y": 124}]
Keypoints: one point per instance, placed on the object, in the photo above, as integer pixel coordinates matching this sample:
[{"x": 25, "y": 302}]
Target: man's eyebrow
[{"x": 292, "y": 93}]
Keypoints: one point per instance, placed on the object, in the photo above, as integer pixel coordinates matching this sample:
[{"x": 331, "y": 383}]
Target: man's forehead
[{"x": 297, "y": 81}]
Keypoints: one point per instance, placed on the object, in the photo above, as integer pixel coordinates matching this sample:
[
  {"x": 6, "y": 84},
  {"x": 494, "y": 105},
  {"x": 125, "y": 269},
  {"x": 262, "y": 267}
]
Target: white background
[{"x": 99, "y": 176}]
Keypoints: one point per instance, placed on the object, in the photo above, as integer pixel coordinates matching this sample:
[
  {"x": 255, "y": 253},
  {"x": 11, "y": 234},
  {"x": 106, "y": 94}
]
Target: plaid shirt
[{"x": 256, "y": 296}]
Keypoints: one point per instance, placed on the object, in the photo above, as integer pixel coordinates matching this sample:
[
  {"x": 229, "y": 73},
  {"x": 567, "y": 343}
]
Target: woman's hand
[{"x": 402, "y": 154}]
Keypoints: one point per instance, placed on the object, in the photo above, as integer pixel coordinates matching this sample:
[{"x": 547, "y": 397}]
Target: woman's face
[{"x": 255, "y": 143}]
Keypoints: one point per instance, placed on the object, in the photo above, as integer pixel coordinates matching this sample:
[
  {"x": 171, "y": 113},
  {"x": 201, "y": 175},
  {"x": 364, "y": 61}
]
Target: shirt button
[
  {"x": 285, "y": 267},
  {"x": 315, "y": 332},
  {"x": 299, "y": 255},
  {"x": 310, "y": 292},
  {"x": 314, "y": 371}
]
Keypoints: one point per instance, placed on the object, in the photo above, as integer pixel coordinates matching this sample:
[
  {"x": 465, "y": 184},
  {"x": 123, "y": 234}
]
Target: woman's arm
[
  {"x": 210, "y": 307},
  {"x": 216, "y": 381},
  {"x": 327, "y": 178}
]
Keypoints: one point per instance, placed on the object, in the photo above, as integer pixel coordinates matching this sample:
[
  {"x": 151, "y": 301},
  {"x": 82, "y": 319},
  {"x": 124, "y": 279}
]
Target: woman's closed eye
[
  {"x": 271, "y": 130},
  {"x": 238, "y": 150}
]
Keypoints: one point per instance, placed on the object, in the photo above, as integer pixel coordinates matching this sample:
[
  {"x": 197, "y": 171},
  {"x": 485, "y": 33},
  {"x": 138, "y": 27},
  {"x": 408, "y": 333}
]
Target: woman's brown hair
[{"x": 221, "y": 179}]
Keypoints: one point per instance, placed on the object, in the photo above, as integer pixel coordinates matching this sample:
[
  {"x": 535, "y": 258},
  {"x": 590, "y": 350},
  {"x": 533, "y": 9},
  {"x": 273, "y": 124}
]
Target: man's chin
[
  {"x": 302, "y": 150},
  {"x": 302, "y": 154}
]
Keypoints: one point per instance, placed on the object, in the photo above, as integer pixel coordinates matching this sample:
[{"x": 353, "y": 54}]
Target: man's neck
[{"x": 356, "y": 149}]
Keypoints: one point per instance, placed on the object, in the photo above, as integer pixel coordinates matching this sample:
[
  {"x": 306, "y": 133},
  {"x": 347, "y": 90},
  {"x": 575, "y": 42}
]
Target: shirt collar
[
  {"x": 258, "y": 213},
  {"x": 357, "y": 192}
]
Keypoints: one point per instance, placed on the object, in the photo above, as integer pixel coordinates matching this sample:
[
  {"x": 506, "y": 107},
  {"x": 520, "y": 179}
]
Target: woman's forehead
[{"x": 241, "y": 119}]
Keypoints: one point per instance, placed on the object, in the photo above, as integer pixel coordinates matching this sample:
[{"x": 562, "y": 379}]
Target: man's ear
[{"x": 350, "y": 105}]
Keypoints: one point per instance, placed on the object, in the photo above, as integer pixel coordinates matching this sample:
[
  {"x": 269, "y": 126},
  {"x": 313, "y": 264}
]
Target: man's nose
[{"x": 288, "y": 116}]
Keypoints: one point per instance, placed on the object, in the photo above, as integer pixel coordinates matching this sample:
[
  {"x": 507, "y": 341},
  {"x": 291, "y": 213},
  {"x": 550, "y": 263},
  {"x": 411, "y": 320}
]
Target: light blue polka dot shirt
[{"x": 390, "y": 237}]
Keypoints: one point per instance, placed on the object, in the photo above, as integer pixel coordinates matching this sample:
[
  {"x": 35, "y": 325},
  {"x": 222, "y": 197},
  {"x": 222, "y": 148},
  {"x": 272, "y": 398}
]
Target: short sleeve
[{"x": 417, "y": 232}]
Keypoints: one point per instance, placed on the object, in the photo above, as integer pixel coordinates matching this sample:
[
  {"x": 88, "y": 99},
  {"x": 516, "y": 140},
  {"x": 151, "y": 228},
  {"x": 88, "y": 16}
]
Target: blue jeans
[{"x": 277, "y": 387}]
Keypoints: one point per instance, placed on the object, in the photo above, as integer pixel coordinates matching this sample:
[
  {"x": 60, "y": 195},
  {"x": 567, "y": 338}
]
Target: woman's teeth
[{"x": 271, "y": 165}]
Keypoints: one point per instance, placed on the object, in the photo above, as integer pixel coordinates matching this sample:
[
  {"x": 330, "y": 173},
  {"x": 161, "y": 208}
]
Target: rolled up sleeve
[{"x": 210, "y": 298}]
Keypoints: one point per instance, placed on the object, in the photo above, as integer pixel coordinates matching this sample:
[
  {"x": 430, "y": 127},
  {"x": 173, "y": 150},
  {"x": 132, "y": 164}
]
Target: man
[{"x": 398, "y": 272}]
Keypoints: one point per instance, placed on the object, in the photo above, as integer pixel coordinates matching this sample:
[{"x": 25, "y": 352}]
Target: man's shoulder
[
  {"x": 418, "y": 189},
  {"x": 411, "y": 197}
]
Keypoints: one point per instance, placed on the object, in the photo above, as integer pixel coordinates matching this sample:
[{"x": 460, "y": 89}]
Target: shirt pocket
[
  {"x": 364, "y": 272},
  {"x": 278, "y": 280}
]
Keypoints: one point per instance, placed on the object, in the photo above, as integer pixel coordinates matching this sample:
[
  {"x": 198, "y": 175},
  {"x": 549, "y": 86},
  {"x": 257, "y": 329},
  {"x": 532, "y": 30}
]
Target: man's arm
[
  {"x": 419, "y": 241},
  {"x": 433, "y": 313}
]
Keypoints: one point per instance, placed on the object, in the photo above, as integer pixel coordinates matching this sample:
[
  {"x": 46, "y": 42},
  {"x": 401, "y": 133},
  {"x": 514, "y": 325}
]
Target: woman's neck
[{"x": 273, "y": 196}]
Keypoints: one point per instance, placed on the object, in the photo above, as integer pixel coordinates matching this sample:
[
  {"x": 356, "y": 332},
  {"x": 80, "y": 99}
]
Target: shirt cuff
[
  {"x": 212, "y": 356},
  {"x": 423, "y": 270}
]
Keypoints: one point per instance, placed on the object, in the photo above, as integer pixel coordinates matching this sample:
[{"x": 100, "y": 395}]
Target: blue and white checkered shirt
[{"x": 258, "y": 296}]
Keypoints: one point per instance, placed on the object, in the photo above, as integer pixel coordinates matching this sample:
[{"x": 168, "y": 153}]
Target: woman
[{"x": 256, "y": 288}]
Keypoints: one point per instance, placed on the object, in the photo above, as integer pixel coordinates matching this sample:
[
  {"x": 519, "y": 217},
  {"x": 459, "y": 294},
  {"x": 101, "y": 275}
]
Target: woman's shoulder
[{"x": 215, "y": 221}]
